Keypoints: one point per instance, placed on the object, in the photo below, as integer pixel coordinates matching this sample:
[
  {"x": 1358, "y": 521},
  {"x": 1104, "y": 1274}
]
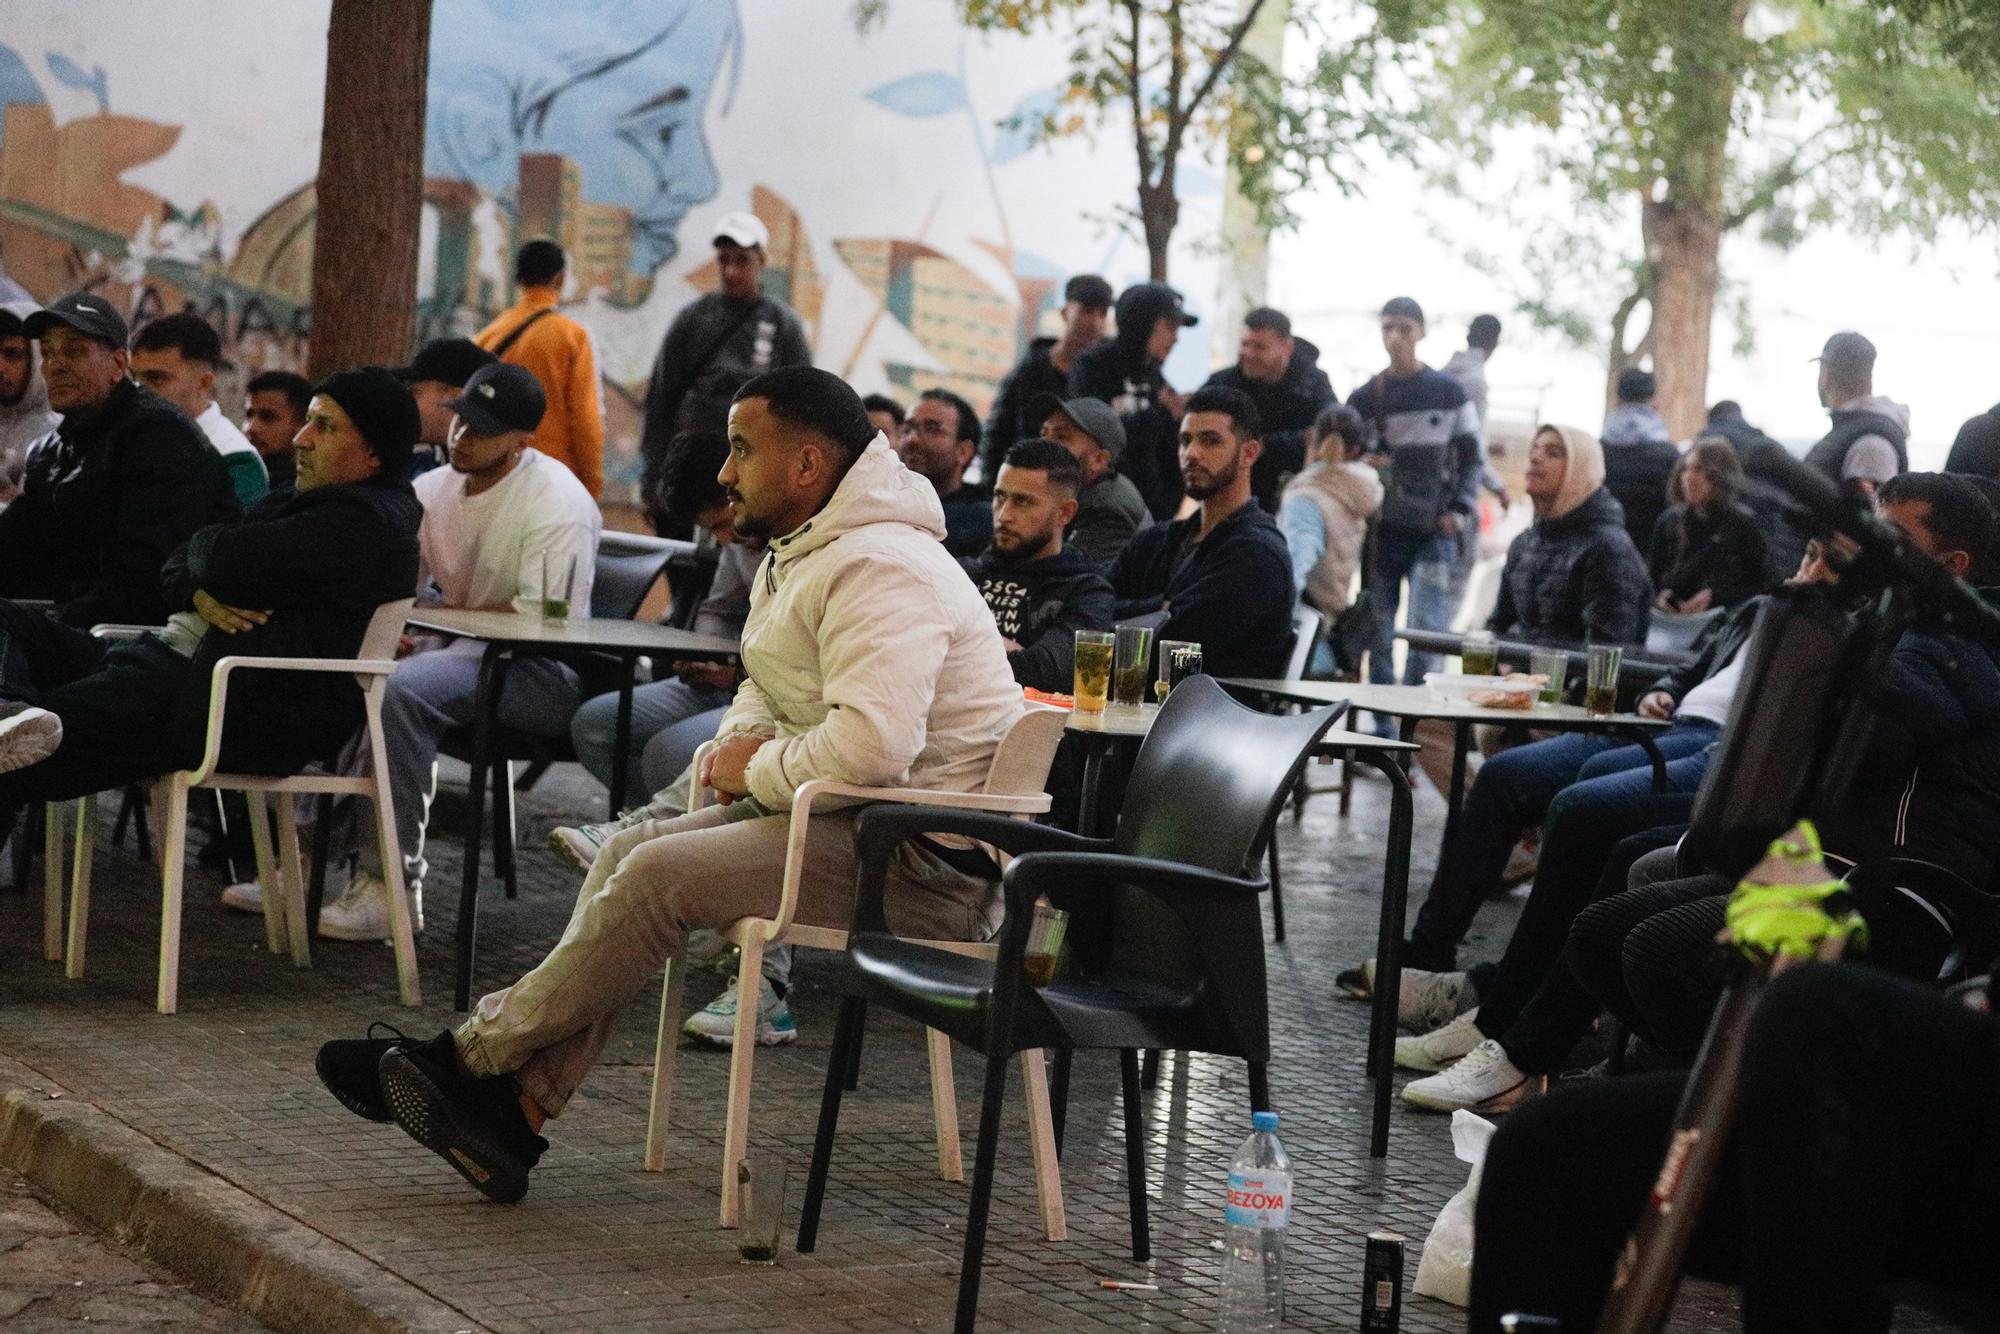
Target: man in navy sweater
[{"x": 1222, "y": 577}]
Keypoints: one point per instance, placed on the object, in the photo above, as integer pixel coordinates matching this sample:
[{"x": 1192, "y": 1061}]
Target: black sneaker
[
  {"x": 351, "y": 1069},
  {"x": 473, "y": 1123}
]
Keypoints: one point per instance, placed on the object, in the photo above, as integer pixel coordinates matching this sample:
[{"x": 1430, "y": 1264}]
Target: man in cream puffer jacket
[{"x": 870, "y": 659}]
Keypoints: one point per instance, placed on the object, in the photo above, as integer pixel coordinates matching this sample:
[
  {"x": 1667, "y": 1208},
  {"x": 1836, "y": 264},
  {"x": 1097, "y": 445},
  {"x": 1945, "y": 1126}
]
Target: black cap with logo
[
  {"x": 499, "y": 398},
  {"x": 86, "y": 312}
]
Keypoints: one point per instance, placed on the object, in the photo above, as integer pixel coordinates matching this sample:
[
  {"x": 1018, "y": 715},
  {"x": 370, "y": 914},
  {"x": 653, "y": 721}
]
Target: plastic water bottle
[{"x": 1259, "y": 1206}]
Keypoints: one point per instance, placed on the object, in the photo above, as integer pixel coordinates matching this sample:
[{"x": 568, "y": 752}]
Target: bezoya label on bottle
[{"x": 1260, "y": 1198}]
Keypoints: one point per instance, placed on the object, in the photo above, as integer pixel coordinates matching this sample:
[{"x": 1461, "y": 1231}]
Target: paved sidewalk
[{"x": 228, "y": 1085}]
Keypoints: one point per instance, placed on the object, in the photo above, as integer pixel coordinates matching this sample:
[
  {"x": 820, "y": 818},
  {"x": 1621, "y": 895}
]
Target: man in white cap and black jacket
[{"x": 719, "y": 341}]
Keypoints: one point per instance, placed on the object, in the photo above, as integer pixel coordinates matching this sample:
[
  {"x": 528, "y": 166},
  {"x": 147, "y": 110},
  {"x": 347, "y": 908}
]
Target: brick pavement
[{"x": 601, "y": 1244}]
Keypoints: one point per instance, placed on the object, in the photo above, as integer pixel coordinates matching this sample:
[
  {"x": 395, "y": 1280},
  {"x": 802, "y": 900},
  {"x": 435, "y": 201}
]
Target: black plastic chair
[{"x": 1166, "y": 936}]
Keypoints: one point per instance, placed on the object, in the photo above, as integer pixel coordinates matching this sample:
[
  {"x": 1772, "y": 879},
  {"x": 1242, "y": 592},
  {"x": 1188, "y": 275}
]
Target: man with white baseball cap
[{"x": 720, "y": 341}]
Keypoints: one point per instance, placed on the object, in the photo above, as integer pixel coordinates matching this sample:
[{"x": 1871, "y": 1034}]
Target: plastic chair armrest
[{"x": 218, "y": 691}]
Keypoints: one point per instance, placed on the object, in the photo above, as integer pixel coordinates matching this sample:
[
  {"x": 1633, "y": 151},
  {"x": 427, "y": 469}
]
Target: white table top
[
  {"x": 1399, "y": 701},
  {"x": 502, "y": 627}
]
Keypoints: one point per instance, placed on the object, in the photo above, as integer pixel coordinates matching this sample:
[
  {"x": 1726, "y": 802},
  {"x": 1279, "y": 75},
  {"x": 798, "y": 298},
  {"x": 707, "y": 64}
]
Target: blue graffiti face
[{"x": 619, "y": 89}]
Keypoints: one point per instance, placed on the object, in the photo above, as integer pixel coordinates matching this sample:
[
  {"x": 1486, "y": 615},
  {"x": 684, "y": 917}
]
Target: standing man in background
[
  {"x": 176, "y": 356},
  {"x": 1125, "y": 373},
  {"x": 1868, "y": 443},
  {"x": 1044, "y": 369},
  {"x": 556, "y": 350},
  {"x": 1281, "y": 375}
]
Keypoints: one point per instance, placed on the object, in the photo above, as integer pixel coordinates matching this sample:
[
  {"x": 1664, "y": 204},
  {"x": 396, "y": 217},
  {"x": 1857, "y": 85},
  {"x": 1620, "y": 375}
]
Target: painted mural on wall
[{"x": 921, "y": 240}]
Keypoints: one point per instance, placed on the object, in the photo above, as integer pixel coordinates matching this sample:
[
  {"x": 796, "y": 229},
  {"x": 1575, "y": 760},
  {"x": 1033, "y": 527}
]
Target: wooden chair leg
[
  {"x": 79, "y": 886},
  {"x": 982, "y": 1192},
  {"x": 1135, "y": 1155},
  {"x": 1042, "y": 1145},
  {"x": 292, "y": 876},
  {"x": 742, "y": 1067},
  {"x": 172, "y": 804},
  {"x": 844, "y": 1029},
  {"x": 52, "y": 881},
  {"x": 944, "y": 1106},
  {"x": 269, "y": 880},
  {"x": 666, "y": 1050}
]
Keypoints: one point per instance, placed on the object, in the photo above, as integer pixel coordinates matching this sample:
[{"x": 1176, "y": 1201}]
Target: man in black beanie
[{"x": 297, "y": 577}]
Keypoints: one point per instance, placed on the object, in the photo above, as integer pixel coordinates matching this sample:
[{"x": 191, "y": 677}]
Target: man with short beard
[
  {"x": 1041, "y": 593},
  {"x": 1222, "y": 577},
  {"x": 937, "y": 443},
  {"x": 1043, "y": 370},
  {"x": 24, "y": 402},
  {"x": 121, "y": 483},
  {"x": 274, "y": 408}
]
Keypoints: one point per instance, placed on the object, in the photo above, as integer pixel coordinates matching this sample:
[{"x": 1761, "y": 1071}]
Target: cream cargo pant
[{"x": 652, "y": 884}]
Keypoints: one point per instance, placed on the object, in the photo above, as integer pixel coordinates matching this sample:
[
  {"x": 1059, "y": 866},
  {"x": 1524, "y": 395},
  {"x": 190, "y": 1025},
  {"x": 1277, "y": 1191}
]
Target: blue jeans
[
  {"x": 1515, "y": 791},
  {"x": 664, "y": 715},
  {"x": 1430, "y": 564}
]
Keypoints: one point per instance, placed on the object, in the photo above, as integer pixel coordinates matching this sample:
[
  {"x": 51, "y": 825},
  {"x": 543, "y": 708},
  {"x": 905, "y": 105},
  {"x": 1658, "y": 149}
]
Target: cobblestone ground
[
  {"x": 54, "y": 1276},
  {"x": 601, "y": 1244}
]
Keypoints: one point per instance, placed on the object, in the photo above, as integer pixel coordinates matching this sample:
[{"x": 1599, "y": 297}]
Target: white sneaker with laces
[
  {"x": 1484, "y": 1081},
  {"x": 717, "y": 1023},
  {"x": 1439, "y": 1048},
  {"x": 28, "y": 735},
  {"x": 246, "y": 897},
  {"x": 362, "y": 910},
  {"x": 580, "y": 844}
]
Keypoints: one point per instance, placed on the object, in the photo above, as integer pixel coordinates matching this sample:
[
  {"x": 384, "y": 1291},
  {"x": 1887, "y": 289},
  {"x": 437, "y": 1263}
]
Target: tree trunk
[
  {"x": 1682, "y": 243},
  {"x": 1159, "y": 214},
  {"x": 371, "y": 181}
]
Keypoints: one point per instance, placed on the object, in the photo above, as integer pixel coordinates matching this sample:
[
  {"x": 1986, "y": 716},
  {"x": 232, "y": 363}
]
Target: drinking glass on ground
[
  {"x": 1478, "y": 655},
  {"x": 1045, "y": 942},
  {"x": 1601, "y": 683},
  {"x": 1093, "y": 669},
  {"x": 1553, "y": 664},
  {"x": 558, "y": 578},
  {"x": 1163, "y": 677},
  {"x": 760, "y": 1197},
  {"x": 1128, "y": 668}
]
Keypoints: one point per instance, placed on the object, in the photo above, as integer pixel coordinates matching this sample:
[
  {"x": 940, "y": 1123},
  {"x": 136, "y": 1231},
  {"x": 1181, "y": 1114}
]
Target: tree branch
[
  {"x": 1225, "y": 57},
  {"x": 1145, "y": 149}
]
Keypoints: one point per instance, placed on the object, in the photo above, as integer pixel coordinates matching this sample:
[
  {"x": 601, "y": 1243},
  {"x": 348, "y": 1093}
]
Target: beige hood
[{"x": 1584, "y": 474}]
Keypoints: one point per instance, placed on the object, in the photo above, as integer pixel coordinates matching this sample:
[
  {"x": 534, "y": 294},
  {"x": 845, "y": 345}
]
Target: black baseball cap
[
  {"x": 1093, "y": 416},
  {"x": 1848, "y": 353},
  {"x": 447, "y": 361},
  {"x": 501, "y": 398},
  {"x": 87, "y": 313}
]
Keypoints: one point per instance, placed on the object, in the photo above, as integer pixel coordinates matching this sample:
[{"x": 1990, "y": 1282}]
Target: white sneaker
[
  {"x": 580, "y": 844},
  {"x": 28, "y": 735},
  {"x": 1439, "y": 1048},
  {"x": 717, "y": 1023},
  {"x": 246, "y": 897},
  {"x": 1485, "y": 1081},
  {"x": 709, "y": 948},
  {"x": 362, "y": 910}
]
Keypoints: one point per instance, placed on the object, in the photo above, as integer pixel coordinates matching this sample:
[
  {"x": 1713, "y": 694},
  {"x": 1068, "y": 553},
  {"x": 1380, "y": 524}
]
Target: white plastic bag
[{"x": 1445, "y": 1271}]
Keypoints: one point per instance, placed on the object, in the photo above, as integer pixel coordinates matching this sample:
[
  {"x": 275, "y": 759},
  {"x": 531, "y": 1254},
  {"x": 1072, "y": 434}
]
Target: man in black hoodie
[
  {"x": 300, "y": 576},
  {"x": 123, "y": 481},
  {"x": 1223, "y": 575},
  {"x": 1281, "y": 375},
  {"x": 1126, "y": 374},
  {"x": 1041, "y": 594},
  {"x": 1044, "y": 369}
]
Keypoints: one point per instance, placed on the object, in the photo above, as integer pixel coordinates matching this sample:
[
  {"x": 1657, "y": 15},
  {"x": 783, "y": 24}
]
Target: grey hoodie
[{"x": 29, "y": 417}]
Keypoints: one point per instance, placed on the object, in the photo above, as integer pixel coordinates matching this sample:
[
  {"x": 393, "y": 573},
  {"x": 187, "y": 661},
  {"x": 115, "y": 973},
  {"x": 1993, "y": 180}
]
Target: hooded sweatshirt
[
  {"x": 1122, "y": 374},
  {"x": 1575, "y": 575},
  {"x": 869, "y": 656},
  {"x": 29, "y": 417},
  {"x": 1287, "y": 410},
  {"x": 1639, "y": 459},
  {"x": 1325, "y": 522},
  {"x": 1040, "y": 605}
]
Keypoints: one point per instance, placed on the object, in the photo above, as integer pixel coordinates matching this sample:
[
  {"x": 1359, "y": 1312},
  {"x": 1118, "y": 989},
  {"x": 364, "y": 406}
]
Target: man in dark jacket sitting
[
  {"x": 1281, "y": 375},
  {"x": 1041, "y": 592},
  {"x": 300, "y": 576},
  {"x": 114, "y": 489},
  {"x": 1221, "y": 578}
]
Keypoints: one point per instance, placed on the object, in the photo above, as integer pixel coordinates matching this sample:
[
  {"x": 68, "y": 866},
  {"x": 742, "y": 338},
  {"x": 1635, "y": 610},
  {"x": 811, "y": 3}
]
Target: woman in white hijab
[{"x": 1574, "y": 576}]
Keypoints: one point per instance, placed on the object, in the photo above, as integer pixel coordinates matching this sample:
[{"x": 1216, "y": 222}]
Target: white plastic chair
[
  {"x": 285, "y": 888},
  {"x": 1014, "y": 785}
]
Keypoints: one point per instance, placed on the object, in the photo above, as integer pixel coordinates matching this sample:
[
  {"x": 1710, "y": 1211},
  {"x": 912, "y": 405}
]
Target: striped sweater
[{"x": 1430, "y": 429}]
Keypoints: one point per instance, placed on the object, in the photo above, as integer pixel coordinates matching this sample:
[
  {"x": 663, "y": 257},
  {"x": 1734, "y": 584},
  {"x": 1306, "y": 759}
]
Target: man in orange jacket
[{"x": 556, "y": 349}]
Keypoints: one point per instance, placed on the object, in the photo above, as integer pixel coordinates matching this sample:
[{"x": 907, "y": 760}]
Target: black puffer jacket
[
  {"x": 320, "y": 561},
  {"x": 106, "y": 500},
  {"x": 1007, "y": 425},
  {"x": 1575, "y": 579},
  {"x": 1287, "y": 410}
]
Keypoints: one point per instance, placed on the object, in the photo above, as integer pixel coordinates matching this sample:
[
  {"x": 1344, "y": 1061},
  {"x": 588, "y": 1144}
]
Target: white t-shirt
[
  {"x": 1711, "y": 699},
  {"x": 487, "y": 550}
]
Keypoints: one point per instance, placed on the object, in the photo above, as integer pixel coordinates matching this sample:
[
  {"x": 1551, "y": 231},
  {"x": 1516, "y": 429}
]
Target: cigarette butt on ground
[{"x": 1119, "y": 1285}]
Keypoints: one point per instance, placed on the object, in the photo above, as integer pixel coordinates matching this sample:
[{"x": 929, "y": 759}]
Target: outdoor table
[
  {"x": 1100, "y": 732},
  {"x": 1638, "y": 664},
  {"x": 1411, "y": 704},
  {"x": 508, "y": 634}
]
